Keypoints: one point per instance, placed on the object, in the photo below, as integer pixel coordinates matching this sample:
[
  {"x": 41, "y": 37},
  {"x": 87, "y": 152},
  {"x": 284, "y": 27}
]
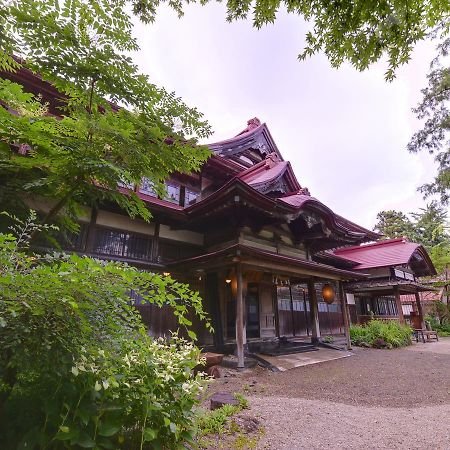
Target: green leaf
[
  {"x": 108, "y": 429},
  {"x": 150, "y": 434},
  {"x": 192, "y": 335},
  {"x": 85, "y": 441}
]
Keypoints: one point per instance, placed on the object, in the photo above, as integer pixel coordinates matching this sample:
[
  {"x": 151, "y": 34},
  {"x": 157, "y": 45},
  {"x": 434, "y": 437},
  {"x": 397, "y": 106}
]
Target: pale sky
[{"x": 345, "y": 132}]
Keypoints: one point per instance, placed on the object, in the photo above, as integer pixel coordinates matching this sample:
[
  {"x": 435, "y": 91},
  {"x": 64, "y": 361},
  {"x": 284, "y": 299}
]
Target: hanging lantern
[{"x": 328, "y": 293}]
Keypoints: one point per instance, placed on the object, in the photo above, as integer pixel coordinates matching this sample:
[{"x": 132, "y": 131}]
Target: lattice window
[{"x": 121, "y": 243}]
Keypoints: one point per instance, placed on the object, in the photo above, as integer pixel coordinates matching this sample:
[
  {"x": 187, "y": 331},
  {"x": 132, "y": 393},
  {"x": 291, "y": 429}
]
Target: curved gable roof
[
  {"x": 388, "y": 253},
  {"x": 256, "y": 136},
  {"x": 303, "y": 200},
  {"x": 268, "y": 173}
]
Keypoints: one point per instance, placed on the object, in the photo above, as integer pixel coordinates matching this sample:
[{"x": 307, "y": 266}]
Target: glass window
[
  {"x": 119, "y": 243},
  {"x": 173, "y": 192},
  {"x": 190, "y": 197},
  {"x": 147, "y": 187},
  {"x": 124, "y": 184}
]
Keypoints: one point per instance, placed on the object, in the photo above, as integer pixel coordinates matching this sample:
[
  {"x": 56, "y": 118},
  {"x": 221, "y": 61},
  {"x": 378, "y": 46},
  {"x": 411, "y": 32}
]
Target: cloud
[{"x": 345, "y": 132}]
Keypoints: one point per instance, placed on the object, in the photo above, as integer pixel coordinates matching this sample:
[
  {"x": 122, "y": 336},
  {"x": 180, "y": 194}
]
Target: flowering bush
[{"x": 77, "y": 368}]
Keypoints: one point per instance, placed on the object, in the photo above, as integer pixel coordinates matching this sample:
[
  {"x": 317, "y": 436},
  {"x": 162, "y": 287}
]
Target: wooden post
[
  {"x": 212, "y": 302},
  {"x": 345, "y": 314},
  {"x": 398, "y": 302},
  {"x": 155, "y": 245},
  {"x": 420, "y": 311},
  {"x": 239, "y": 318},
  {"x": 314, "y": 311},
  {"x": 90, "y": 239}
]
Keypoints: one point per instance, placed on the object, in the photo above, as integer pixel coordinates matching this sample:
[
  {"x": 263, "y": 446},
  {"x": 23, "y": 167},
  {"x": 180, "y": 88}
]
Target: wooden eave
[
  {"x": 263, "y": 261},
  {"x": 237, "y": 192},
  {"x": 386, "y": 286}
]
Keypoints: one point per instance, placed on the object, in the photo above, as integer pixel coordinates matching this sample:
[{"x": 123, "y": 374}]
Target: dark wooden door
[
  {"x": 285, "y": 318},
  {"x": 252, "y": 311},
  {"x": 300, "y": 311}
]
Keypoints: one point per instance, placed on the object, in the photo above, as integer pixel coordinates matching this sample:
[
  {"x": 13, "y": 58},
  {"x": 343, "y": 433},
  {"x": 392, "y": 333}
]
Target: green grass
[{"x": 217, "y": 428}]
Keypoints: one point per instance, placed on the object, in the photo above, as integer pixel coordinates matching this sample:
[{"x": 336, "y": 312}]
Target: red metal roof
[
  {"x": 388, "y": 253},
  {"x": 270, "y": 170}
]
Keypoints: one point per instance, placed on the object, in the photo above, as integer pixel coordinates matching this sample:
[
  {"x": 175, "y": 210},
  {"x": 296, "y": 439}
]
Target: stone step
[{"x": 288, "y": 350}]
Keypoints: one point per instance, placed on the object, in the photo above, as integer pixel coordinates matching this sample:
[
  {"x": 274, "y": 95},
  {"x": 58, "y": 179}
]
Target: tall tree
[
  {"x": 394, "y": 224},
  {"x": 434, "y": 137},
  {"x": 428, "y": 227},
  {"x": 80, "y": 47},
  {"x": 359, "y": 32}
]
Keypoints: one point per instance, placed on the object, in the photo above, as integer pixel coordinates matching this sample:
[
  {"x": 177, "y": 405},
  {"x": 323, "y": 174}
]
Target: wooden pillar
[
  {"x": 155, "y": 247},
  {"x": 345, "y": 314},
  {"x": 90, "y": 239},
  {"x": 212, "y": 301},
  {"x": 240, "y": 338},
  {"x": 314, "y": 306},
  {"x": 398, "y": 302},
  {"x": 420, "y": 311}
]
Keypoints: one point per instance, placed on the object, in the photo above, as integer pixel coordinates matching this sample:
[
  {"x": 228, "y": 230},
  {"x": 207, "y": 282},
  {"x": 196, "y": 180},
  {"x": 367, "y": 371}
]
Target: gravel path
[
  {"x": 390, "y": 378},
  {"x": 295, "y": 423},
  {"x": 377, "y": 399}
]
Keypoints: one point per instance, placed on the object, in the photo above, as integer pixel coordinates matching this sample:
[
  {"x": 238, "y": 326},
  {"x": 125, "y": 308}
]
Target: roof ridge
[{"x": 374, "y": 244}]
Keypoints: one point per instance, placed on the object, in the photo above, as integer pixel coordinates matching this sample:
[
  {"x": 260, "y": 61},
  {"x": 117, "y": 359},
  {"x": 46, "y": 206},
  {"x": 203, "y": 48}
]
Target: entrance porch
[{"x": 258, "y": 296}]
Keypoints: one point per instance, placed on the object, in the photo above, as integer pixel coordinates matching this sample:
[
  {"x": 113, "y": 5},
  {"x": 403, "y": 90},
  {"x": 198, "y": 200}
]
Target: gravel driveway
[{"x": 377, "y": 399}]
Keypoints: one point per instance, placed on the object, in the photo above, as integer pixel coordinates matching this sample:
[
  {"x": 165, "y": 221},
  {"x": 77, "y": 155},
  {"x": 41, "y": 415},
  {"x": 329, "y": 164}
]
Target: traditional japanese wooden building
[
  {"x": 394, "y": 268},
  {"x": 269, "y": 259}
]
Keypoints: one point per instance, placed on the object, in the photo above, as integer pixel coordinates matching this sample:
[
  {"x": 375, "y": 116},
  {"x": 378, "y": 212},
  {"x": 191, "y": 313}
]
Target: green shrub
[
  {"x": 77, "y": 368},
  {"x": 381, "y": 333},
  {"x": 443, "y": 329}
]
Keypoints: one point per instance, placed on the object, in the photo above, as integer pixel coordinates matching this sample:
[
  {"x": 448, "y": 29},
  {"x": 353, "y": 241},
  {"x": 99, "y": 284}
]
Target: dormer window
[{"x": 147, "y": 187}]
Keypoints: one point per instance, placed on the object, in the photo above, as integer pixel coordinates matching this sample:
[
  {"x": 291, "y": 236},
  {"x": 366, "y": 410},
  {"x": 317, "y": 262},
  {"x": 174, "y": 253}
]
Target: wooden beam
[
  {"x": 345, "y": 314},
  {"x": 240, "y": 317},
  {"x": 420, "y": 311},
  {"x": 314, "y": 311},
  {"x": 398, "y": 302}
]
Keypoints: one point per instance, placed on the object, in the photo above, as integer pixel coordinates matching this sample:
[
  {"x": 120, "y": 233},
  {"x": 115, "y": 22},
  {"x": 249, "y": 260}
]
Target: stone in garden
[{"x": 222, "y": 398}]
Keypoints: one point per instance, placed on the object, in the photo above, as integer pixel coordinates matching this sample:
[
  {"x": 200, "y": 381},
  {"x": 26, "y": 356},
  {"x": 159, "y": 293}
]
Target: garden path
[{"x": 377, "y": 399}]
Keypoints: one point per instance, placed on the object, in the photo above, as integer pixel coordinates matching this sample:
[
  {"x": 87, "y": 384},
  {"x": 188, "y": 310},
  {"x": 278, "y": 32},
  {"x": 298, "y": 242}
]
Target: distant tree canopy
[
  {"x": 434, "y": 137},
  {"x": 359, "y": 32},
  {"x": 428, "y": 227}
]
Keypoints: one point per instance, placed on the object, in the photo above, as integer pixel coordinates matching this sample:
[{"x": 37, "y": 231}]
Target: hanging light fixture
[{"x": 328, "y": 293}]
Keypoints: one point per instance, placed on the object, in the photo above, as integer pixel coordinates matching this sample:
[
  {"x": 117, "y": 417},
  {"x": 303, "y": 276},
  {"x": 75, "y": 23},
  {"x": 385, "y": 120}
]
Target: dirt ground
[{"x": 377, "y": 399}]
